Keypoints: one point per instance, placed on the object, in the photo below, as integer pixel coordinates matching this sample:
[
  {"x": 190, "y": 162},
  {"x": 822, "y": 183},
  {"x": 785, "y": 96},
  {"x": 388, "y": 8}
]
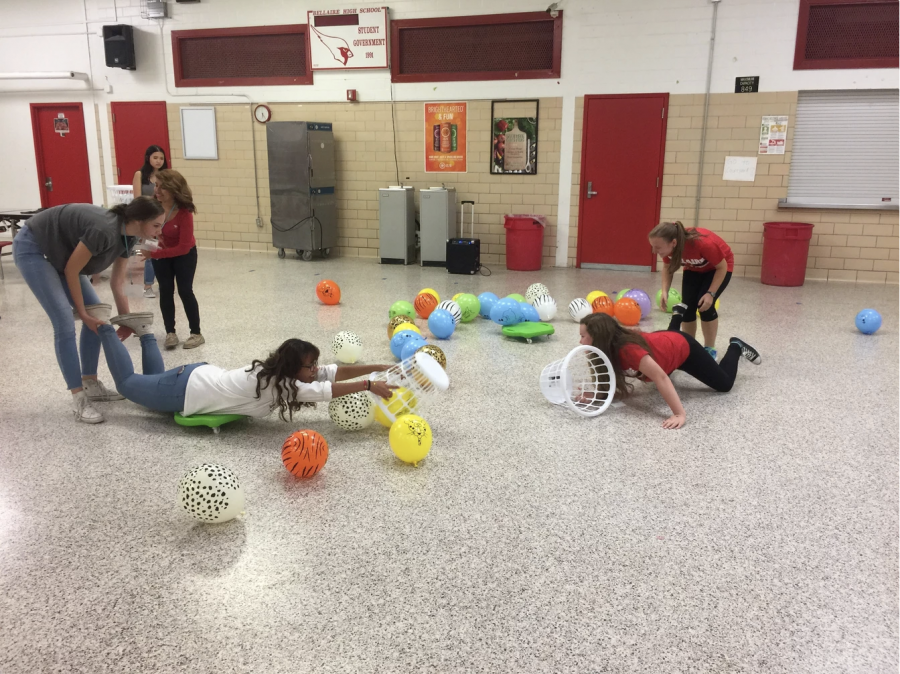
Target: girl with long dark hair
[
  {"x": 56, "y": 251},
  {"x": 653, "y": 356},
  {"x": 144, "y": 184},
  {"x": 708, "y": 263},
  {"x": 286, "y": 380}
]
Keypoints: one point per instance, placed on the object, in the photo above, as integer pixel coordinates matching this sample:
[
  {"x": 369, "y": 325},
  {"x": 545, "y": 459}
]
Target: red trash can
[
  {"x": 785, "y": 251},
  {"x": 524, "y": 241}
]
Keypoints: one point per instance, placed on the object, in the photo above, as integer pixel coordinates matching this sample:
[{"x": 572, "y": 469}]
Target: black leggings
[
  {"x": 181, "y": 269},
  {"x": 703, "y": 367},
  {"x": 695, "y": 285}
]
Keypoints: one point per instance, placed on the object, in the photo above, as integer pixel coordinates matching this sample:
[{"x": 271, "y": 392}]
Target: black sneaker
[
  {"x": 679, "y": 309},
  {"x": 747, "y": 351}
]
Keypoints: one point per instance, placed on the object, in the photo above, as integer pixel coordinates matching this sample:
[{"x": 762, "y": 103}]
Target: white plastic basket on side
[
  {"x": 420, "y": 374},
  {"x": 119, "y": 194},
  {"x": 584, "y": 381}
]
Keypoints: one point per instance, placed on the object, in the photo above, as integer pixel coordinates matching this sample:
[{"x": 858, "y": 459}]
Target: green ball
[
  {"x": 517, "y": 297},
  {"x": 402, "y": 308},
  {"x": 673, "y": 299},
  {"x": 621, "y": 293},
  {"x": 469, "y": 306}
]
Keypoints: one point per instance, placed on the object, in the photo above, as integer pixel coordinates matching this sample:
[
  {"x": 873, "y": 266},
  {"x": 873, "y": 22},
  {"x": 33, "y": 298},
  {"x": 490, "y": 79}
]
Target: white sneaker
[
  {"x": 101, "y": 311},
  {"x": 141, "y": 323},
  {"x": 84, "y": 411},
  {"x": 97, "y": 392},
  {"x": 148, "y": 293}
]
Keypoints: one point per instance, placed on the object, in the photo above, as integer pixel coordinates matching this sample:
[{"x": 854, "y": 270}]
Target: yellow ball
[
  {"x": 407, "y": 326},
  {"x": 457, "y": 295},
  {"x": 431, "y": 291},
  {"x": 403, "y": 401},
  {"x": 410, "y": 438},
  {"x": 594, "y": 294},
  {"x": 717, "y": 308}
]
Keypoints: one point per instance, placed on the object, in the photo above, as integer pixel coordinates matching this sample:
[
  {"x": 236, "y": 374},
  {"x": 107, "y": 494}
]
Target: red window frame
[
  {"x": 179, "y": 35},
  {"x": 802, "y": 63},
  {"x": 479, "y": 20}
]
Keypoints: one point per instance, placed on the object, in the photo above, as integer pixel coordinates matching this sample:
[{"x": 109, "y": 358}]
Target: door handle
[
  {"x": 590, "y": 192},
  {"x": 48, "y": 183}
]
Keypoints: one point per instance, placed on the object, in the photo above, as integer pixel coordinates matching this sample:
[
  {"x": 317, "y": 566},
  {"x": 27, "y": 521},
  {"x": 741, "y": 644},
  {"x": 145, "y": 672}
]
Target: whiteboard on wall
[{"x": 198, "y": 133}]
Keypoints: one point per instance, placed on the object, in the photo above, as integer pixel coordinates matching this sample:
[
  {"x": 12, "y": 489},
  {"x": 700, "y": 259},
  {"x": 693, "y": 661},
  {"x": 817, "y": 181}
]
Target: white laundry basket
[
  {"x": 584, "y": 381},
  {"x": 420, "y": 374},
  {"x": 119, "y": 194}
]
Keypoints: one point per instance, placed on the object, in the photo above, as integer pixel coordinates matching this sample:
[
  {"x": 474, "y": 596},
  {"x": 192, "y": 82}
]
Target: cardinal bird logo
[{"x": 340, "y": 50}]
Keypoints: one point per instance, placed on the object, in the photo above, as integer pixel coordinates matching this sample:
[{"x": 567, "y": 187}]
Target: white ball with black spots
[
  {"x": 579, "y": 308},
  {"x": 211, "y": 493},
  {"x": 352, "y": 412},
  {"x": 453, "y": 308},
  {"x": 534, "y": 291},
  {"x": 347, "y": 347},
  {"x": 545, "y": 306}
]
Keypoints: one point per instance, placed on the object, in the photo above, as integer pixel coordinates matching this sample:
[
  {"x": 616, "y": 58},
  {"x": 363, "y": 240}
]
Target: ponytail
[
  {"x": 138, "y": 209},
  {"x": 674, "y": 231}
]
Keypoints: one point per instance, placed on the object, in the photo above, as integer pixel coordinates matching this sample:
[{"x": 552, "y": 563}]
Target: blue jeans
[
  {"x": 51, "y": 290},
  {"x": 157, "y": 388},
  {"x": 149, "y": 275}
]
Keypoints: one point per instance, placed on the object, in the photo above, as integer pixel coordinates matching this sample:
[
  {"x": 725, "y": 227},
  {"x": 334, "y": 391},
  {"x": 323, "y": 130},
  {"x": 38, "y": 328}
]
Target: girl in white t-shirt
[{"x": 288, "y": 379}]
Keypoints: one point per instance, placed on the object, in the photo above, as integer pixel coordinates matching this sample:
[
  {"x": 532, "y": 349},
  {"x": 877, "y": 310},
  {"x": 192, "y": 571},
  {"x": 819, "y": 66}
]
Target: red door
[
  {"x": 622, "y": 155},
  {"x": 137, "y": 126},
  {"x": 60, "y": 149}
]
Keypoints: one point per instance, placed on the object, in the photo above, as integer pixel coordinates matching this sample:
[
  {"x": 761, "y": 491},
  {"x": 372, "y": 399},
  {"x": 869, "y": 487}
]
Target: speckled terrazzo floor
[{"x": 760, "y": 538}]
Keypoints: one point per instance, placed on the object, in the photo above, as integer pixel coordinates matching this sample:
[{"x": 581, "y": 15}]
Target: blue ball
[
  {"x": 400, "y": 339},
  {"x": 441, "y": 323},
  {"x": 529, "y": 313},
  {"x": 868, "y": 321},
  {"x": 504, "y": 314},
  {"x": 411, "y": 346},
  {"x": 487, "y": 300}
]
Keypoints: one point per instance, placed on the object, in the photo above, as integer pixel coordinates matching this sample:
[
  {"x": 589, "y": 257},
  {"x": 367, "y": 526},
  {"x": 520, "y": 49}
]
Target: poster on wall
[
  {"x": 773, "y": 134},
  {"x": 345, "y": 39},
  {"x": 514, "y": 140},
  {"x": 445, "y": 138}
]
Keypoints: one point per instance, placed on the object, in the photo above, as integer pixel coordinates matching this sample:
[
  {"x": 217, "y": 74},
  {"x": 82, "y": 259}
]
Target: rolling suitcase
[{"x": 464, "y": 255}]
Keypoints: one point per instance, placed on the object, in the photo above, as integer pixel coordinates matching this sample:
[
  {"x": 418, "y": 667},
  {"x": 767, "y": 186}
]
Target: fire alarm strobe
[
  {"x": 351, "y": 95},
  {"x": 262, "y": 114}
]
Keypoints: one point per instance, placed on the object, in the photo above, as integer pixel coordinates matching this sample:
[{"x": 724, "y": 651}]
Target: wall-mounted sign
[
  {"x": 445, "y": 138},
  {"x": 773, "y": 134},
  {"x": 345, "y": 39},
  {"x": 746, "y": 85},
  {"x": 61, "y": 125},
  {"x": 740, "y": 168},
  {"x": 514, "y": 139}
]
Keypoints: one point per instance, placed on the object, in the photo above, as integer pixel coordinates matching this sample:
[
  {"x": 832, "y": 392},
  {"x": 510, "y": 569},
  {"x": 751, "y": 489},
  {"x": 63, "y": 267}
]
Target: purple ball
[{"x": 643, "y": 300}]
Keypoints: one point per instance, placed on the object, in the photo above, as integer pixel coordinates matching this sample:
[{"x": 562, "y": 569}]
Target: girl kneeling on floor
[
  {"x": 290, "y": 378},
  {"x": 653, "y": 356}
]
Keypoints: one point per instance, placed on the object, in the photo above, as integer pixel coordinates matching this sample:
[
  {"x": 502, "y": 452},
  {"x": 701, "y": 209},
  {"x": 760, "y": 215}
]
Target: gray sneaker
[
  {"x": 171, "y": 340},
  {"x": 193, "y": 342},
  {"x": 141, "y": 323},
  {"x": 97, "y": 392}
]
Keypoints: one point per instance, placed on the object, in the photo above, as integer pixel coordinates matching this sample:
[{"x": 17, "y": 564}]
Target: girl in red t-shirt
[
  {"x": 708, "y": 263},
  {"x": 653, "y": 356}
]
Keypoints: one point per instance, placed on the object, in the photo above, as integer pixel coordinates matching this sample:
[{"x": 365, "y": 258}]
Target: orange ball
[
  {"x": 425, "y": 303},
  {"x": 604, "y": 305},
  {"x": 328, "y": 292},
  {"x": 628, "y": 312},
  {"x": 304, "y": 453}
]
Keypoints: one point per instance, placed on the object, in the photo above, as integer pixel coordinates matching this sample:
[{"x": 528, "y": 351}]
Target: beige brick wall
[
  {"x": 847, "y": 245},
  {"x": 224, "y": 189}
]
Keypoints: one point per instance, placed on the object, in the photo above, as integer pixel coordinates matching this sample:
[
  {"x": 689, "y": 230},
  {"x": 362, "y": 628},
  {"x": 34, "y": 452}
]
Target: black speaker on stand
[{"x": 118, "y": 44}]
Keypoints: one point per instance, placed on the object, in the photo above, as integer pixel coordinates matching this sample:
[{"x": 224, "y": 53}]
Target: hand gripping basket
[
  {"x": 584, "y": 381},
  {"x": 420, "y": 374}
]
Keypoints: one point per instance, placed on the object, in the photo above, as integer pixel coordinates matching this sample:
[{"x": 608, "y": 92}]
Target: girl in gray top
[{"x": 56, "y": 251}]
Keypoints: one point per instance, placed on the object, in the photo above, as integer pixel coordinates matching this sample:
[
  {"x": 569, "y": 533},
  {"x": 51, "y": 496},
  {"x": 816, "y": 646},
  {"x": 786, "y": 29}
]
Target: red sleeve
[
  {"x": 709, "y": 249},
  {"x": 185, "y": 237},
  {"x": 630, "y": 357}
]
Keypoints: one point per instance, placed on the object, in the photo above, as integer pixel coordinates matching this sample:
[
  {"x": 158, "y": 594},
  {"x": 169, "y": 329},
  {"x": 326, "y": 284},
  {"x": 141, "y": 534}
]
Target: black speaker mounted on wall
[{"x": 118, "y": 43}]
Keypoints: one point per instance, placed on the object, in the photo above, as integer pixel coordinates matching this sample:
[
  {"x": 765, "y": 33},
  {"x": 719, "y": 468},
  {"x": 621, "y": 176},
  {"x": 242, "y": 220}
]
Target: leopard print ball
[
  {"x": 347, "y": 346},
  {"x": 435, "y": 352},
  {"x": 211, "y": 493},
  {"x": 352, "y": 412}
]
